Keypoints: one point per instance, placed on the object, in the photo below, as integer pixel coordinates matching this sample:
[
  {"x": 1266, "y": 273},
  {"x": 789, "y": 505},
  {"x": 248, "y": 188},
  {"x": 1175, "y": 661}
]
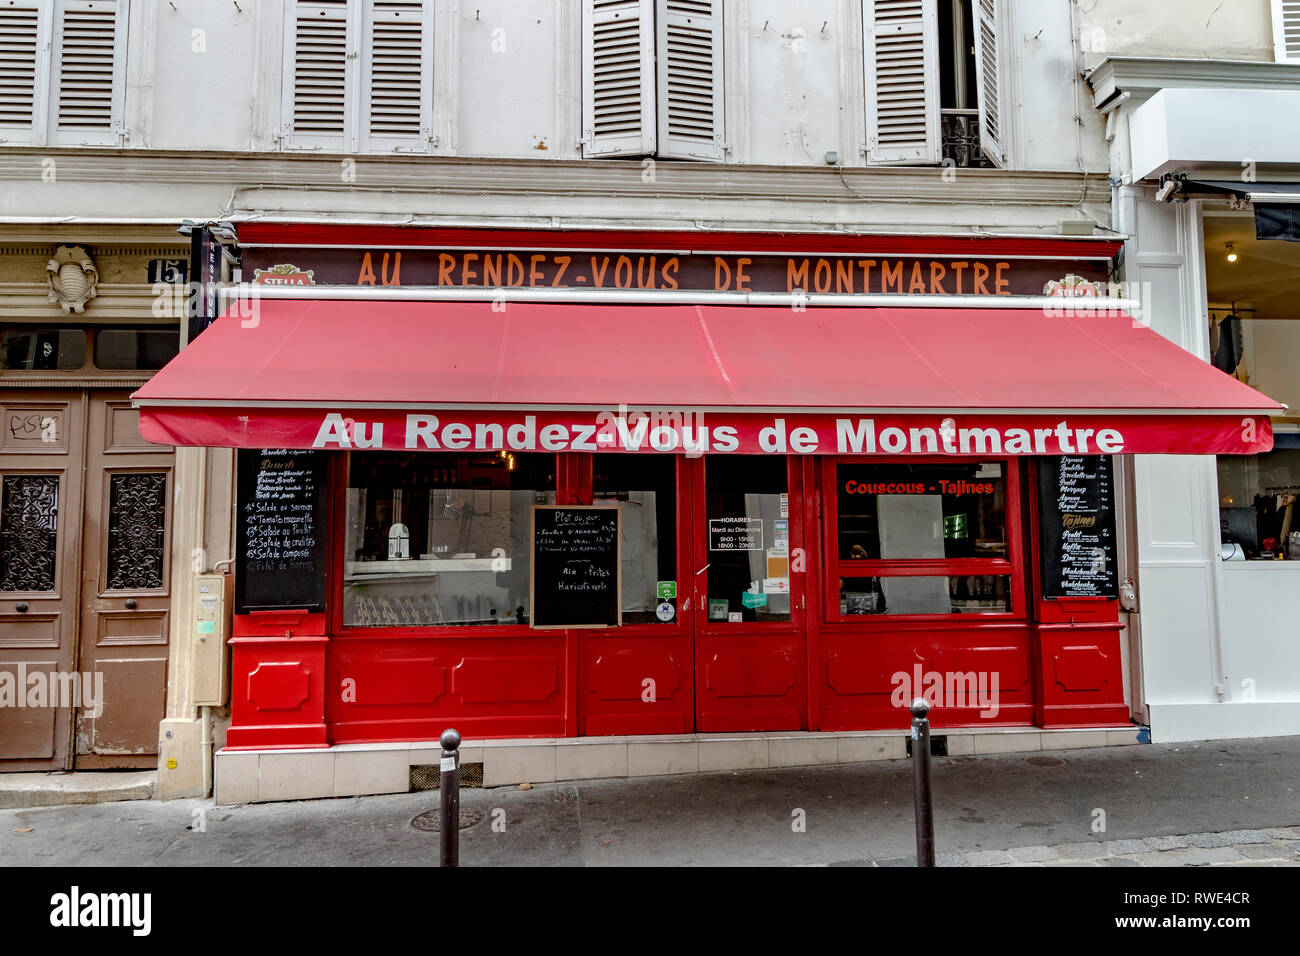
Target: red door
[{"x": 749, "y": 607}]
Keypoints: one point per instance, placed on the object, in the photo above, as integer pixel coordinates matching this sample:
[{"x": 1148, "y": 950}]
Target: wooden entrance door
[
  {"x": 43, "y": 442},
  {"x": 125, "y": 586},
  {"x": 751, "y": 646},
  {"x": 84, "y": 581}
]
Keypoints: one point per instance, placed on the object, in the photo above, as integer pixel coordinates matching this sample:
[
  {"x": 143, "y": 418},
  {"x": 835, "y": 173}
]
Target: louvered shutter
[
  {"x": 319, "y": 75},
  {"x": 397, "y": 77},
  {"x": 1286, "y": 31},
  {"x": 988, "y": 71},
  {"x": 23, "y": 68},
  {"x": 689, "y": 46},
  {"x": 618, "y": 82},
  {"x": 900, "y": 46},
  {"x": 88, "y": 59}
]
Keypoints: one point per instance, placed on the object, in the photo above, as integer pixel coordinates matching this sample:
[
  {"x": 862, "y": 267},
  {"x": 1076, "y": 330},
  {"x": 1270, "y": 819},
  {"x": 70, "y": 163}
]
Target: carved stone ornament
[{"x": 73, "y": 278}]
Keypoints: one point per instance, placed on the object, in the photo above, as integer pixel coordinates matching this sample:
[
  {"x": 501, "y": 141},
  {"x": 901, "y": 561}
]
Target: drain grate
[
  {"x": 431, "y": 820},
  {"x": 429, "y": 776}
]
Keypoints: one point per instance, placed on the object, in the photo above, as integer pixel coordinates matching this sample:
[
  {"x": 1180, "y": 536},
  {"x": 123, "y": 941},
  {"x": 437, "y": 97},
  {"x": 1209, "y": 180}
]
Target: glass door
[{"x": 750, "y": 671}]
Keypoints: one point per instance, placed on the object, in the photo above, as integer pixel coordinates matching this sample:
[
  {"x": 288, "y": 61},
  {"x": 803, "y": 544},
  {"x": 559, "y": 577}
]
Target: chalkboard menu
[
  {"x": 1076, "y": 506},
  {"x": 280, "y": 559},
  {"x": 576, "y": 566}
]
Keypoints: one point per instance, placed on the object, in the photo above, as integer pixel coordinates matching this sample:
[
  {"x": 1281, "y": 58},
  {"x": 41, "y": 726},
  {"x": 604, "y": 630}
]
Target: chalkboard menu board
[
  {"x": 1076, "y": 506},
  {"x": 576, "y": 566},
  {"x": 280, "y": 559}
]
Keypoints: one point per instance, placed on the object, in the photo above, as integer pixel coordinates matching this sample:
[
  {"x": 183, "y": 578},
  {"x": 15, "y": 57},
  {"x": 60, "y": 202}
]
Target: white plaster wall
[
  {"x": 1201, "y": 29},
  {"x": 205, "y": 74},
  {"x": 1261, "y": 630}
]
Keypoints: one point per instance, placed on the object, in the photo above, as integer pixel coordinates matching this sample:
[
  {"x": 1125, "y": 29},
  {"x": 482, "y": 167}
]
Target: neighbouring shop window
[
  {"x": 748, "y": 529},
  {"x": 42, "y": 349},
  {"x": 924, "y": 538},
  {"x": 440, "y": 539},
  {"x": 1258, "y": 510},
  {"x": 645, "y": 489},
  {"x": 146, "y": 349}
]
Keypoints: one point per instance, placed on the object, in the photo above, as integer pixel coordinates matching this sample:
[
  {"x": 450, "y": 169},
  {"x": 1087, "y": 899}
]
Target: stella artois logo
[
  {"x": 1072, "y": 286},
  {"x": 284, "y": 274}
]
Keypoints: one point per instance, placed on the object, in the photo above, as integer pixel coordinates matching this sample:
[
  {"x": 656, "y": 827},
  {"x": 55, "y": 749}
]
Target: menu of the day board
[
  {"x": 576, "y": 571},
  {"x": 280, "y": 530},
  {"x": 1076, "y": 499}
]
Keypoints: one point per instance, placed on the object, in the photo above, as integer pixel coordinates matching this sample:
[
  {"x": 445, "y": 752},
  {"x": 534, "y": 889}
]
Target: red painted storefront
[{"x": 818, "y": 666}]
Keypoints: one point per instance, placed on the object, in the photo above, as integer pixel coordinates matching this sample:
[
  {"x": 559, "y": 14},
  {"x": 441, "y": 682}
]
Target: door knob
[
  {"x": 130, "y": 604},
  {"x": 21, "y": 607}
]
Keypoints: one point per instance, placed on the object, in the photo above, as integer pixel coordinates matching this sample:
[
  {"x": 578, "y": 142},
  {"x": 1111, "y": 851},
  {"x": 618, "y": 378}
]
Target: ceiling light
[{"x": 1232, "y": 253}]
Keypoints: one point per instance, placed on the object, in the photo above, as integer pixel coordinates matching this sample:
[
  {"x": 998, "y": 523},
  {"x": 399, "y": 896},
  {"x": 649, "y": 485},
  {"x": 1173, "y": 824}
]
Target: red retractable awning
[{"x": 407, "y": 375}]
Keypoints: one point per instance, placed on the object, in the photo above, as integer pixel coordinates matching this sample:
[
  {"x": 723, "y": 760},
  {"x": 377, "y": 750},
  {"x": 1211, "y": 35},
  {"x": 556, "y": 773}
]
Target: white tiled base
[{"x": 351, "y": 770}]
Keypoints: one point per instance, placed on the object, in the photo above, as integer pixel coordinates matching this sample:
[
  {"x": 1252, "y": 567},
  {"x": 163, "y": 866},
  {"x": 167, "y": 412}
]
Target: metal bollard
[
  {"x": 921, "y": 783},
  {"x": 449, "y": 783}
]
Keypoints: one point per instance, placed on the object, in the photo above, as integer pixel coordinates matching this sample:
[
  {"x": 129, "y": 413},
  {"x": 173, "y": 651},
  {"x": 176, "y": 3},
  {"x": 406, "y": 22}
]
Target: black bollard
[
  {"x": 449, "y": 783},
  {"x": 921, "y": 783}
]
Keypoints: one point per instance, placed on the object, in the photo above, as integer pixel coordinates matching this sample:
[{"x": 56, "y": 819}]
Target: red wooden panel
[
  {"x": 506, "y": 677},
  {"x": 730, "y": 672}
]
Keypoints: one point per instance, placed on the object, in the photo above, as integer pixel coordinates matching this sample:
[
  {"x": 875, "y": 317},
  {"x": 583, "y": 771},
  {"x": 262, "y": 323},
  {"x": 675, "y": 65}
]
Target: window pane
[
  {"x": 135, "y": 348},
  {"x": 645, "y": 489},
  {"x": 42, "y": 349},
  {"x": 1257, "y": 502},
  {"x": 440, "y": 539},
  {"x": 29, "y": 523},
  {"x": 748, "y": 529},
  {"x": 950, "y": 510},
  {"x": 967, "y": 594}
]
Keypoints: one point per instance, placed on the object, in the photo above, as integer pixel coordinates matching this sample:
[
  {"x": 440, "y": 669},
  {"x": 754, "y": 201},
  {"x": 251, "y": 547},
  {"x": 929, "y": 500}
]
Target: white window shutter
[
  {"x": 1286, "y": 31},
  {"x": 397, "y": 77},
  {"x": 88, "y": 73},
  {"x": 988, "y": 65},
  {"x": 319, "y": 75},
  {"x": 689, "y": 45},
  {"x": 618, "y": 78},
  {"x": 901, "y": 46},
  {"x": 24, "y": 69}
]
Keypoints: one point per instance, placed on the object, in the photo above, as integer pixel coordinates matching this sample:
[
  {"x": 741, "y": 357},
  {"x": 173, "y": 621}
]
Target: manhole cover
[
  {"x": 432, "y": 820},
  {"x": 1045, "y": 761}
]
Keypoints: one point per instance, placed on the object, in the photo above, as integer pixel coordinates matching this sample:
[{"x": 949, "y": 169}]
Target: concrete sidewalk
[{"x": 1220, "y": 798}]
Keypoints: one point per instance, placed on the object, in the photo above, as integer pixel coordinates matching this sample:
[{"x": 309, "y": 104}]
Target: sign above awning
[{"x": 486, "y": 376}]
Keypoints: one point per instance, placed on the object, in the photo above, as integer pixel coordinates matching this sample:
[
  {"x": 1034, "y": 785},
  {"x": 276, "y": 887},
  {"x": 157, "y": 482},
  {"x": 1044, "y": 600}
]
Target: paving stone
[
  {"x": 988, "y": 858},
  {"x": 1265, "y": 851},
  {"x": 1294, "y": 846},
  {"x": 1200, "y": 856},
  {"x": 1237, "y": 837},
  {"x": 897, "y": 861},
  {"x": 1033, "y": 854},
  {"x": 1125, "y": 847},
  {"x": 1081, "y": 851},
  {"x": 951, "y": 859},
  {"x": 1283, "y": 833},
  {"x": 1166, "y": 842},
  {"x": 1118, "y": 861},
  {"x": 1153, "y": 858}
]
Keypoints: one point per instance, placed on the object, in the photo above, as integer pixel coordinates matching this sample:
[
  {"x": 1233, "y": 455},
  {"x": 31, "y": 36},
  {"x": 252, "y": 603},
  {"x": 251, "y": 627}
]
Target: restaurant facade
[{"x": 610, "y": 488}]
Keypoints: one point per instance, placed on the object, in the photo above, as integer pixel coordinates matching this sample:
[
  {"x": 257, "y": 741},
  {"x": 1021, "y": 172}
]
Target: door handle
[
  {"x": 21, "y": 607},
  {"x": 130, "y": 604}
]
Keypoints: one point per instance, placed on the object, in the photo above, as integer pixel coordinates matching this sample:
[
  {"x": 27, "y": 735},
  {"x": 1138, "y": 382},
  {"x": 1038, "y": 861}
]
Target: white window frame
[
  {"x": 356, "y": 137},
  {"x": 44, "y": 129}
]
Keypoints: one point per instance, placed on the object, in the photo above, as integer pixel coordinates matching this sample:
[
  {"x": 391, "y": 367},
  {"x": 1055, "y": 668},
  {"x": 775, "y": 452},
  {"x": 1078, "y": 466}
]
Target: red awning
[{"x": 562, "y": 377}]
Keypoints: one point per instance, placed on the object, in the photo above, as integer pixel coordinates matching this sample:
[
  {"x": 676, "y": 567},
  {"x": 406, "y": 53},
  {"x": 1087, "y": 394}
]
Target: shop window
[
  {"x": 147, "y": 349},
  {"x": 1258, "y": 513},
  {"x": 924, "y": 539},
  {"x": 440, "y": 539},
  {"x": 644, "y": 487},
  {"x": 42, "y": 349},
  {"x": 748, "y": 528}
]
